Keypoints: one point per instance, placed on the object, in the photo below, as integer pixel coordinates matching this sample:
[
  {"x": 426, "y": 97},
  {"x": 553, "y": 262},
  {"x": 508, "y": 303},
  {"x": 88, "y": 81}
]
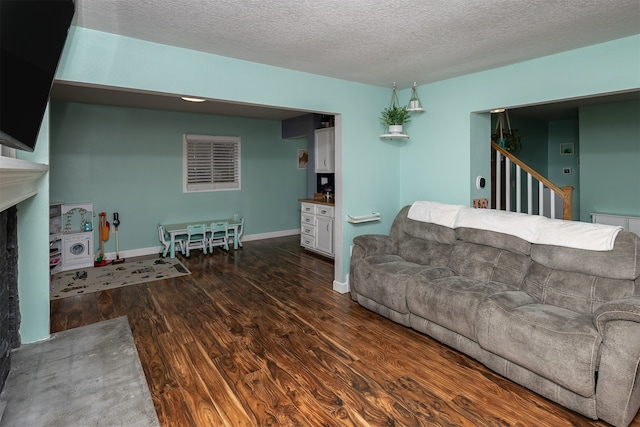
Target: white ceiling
[{"x": 376, "y": 42}]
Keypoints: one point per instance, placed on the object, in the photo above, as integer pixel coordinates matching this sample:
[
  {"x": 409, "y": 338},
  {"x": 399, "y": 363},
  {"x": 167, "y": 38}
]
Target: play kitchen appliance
[{"x": 77, "y": 235}]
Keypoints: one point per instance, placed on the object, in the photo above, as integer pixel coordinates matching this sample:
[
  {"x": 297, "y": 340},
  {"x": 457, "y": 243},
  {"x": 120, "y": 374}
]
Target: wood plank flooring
[{"x": 258, "y": 337}]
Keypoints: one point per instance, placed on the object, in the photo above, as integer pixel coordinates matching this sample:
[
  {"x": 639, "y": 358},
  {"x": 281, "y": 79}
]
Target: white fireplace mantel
[{"x": 18, "y": 180}]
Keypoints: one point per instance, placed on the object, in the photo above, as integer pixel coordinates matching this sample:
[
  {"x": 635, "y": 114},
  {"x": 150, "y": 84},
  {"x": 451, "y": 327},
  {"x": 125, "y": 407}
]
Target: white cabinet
[
  {"x": 325, "y": 150},
  {"x": 316, "y": 228},
  {"x": 627, "y": 222}
]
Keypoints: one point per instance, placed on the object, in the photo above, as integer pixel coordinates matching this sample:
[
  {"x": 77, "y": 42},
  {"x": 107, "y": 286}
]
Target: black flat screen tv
[{"x": 32, "y": 36}]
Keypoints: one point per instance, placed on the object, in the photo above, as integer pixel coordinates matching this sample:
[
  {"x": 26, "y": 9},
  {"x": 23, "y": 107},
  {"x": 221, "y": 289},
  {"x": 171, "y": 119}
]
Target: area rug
[{"x": 95, "y": 279}]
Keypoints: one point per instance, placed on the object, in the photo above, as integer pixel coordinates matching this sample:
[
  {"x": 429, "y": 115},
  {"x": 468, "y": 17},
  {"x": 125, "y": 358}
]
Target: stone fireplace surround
[{"x": 9, "y": 306}]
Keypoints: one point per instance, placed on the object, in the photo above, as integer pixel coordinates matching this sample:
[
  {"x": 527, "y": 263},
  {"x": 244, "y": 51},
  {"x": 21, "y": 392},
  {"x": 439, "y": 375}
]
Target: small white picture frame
[
  {"x": 566, "y": 149},
  {"x": 567, "y": 171}
]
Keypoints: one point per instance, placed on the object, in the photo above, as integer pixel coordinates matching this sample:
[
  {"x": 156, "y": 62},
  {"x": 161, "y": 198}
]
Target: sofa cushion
[
  {"x": 384, "y": 278},
  {"x": 623, "y": 262},
  {"x": 579, "y": 292},
  {"x": 425, "y": 252},
  {"x": 558, "y": 344},
  {"x": 489, "y": 264},
  {"x": 452, "y": 301},
  {"x": 495, "y": 239}
]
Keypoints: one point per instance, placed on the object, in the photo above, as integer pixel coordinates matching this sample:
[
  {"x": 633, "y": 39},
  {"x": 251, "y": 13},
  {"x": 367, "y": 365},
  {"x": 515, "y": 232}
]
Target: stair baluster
[{"x": 565, "y": 193}]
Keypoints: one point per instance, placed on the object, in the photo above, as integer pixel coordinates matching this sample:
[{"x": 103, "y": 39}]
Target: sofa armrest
[
  {"x": 617, "y": 389},
  {"x": 365, "y": 245},
  {"x": 620, "y": 309},
  {"x": 375, "y": 244}
]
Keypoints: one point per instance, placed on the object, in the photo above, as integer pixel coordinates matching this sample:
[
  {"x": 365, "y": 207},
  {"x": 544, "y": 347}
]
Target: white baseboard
[
  {"x": 155, "y": 250},
  {"x": 341, "y": 287},
  {"x": 271, "y": 235},
  {"x": 132, "y": 253}
]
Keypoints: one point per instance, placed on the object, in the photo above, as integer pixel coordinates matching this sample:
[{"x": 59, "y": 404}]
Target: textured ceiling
[
  {"x": 370, "y": 41},
  {"x": 376, "y": 42}
]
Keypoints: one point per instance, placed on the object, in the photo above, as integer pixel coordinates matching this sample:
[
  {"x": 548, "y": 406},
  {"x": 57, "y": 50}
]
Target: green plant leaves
[{"x": 395, "y": 115}]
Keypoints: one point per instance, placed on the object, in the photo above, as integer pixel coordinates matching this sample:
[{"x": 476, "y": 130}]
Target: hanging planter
[
  {"x": 395, "y": 129},
  {"x": 507, "y": 138},
  {"x": 414, "y": 101},
  {"x": 395, "y": 117}
]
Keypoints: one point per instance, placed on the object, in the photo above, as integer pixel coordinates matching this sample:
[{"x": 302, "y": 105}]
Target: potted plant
[
  {"x": 509, "y": 139},
  {"x": 395, "y": 117},
  {"x": 414, "y": 102}
]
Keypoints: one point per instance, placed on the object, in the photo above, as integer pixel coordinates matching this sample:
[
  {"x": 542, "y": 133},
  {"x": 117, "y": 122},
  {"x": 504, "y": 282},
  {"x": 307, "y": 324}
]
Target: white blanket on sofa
[
  {"x": 532, "y": 228},
  {"x": 434, "y": 212},
  {"x": 579, "y": 235}
]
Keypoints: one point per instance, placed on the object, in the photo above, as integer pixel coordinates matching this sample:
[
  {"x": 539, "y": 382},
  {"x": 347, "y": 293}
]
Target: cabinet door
[
  {"x": 324, "y": 234},
  {"x": 325, "y": 150}
]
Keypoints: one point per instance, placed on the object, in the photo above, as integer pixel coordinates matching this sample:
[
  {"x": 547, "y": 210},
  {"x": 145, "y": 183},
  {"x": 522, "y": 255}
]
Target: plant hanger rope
[
  {"x": 500, "y": 123},
  {"x": 507, "y": 138},
  {"x": 394, "y": 97}
]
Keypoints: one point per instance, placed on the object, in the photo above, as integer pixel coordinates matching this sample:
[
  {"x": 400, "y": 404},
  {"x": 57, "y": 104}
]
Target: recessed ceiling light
[
  {"x": 498, "y": 110},
  {"x": 190, "y": 99}
]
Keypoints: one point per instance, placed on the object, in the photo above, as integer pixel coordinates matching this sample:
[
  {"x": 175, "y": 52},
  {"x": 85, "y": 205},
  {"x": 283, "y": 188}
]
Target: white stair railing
[{"x": 547, "y": 191}]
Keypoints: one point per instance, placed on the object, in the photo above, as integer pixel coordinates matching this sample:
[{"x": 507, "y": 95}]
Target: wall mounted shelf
[
  {"x": 373, "y": 216},
  {"x": 394, "y": 136}
]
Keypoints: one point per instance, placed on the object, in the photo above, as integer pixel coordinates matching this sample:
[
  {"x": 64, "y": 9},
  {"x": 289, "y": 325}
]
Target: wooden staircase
[{"x": 507, "y": 174}]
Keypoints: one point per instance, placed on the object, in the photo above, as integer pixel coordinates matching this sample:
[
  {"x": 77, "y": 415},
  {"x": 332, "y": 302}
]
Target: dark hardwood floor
[{"x": 258, "y": 337}]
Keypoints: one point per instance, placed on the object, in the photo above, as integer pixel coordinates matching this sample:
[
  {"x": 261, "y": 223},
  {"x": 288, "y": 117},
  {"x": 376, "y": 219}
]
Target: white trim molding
[
  {"x": 18, "y": 180},
  {"x": 340, "y": 287},
  {"x": 261, "y": 236}
]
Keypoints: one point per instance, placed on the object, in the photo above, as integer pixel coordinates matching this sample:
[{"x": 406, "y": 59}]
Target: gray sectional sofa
[{"x": 560, "y": 320}]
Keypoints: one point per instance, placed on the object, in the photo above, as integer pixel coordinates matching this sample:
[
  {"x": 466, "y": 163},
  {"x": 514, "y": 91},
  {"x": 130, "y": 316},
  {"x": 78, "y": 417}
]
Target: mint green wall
[
  {"x": 436, "y": 163},
  {"x": 33, "y": 248},
  {"x": 610, "y": 159},
  {"x": 480, "y": 128},
  {"x": 560, "y": 132},
  {"x": 130, "y": 161},
  {"x": 369, "y": 173}
]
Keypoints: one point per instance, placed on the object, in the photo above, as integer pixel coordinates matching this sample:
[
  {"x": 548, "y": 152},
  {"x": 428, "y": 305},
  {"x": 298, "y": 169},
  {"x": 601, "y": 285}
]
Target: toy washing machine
[
  {"x": 77, "y": 250},
  {"x": 77, "y": 235}
]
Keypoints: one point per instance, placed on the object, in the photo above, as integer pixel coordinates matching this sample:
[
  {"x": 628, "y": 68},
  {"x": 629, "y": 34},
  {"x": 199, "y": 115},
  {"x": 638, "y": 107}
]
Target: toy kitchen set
[{"x": 70, "y": 236}]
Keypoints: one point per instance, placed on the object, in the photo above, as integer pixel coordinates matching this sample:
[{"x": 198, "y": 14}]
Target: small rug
[{"x": 95, "y": 279}]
